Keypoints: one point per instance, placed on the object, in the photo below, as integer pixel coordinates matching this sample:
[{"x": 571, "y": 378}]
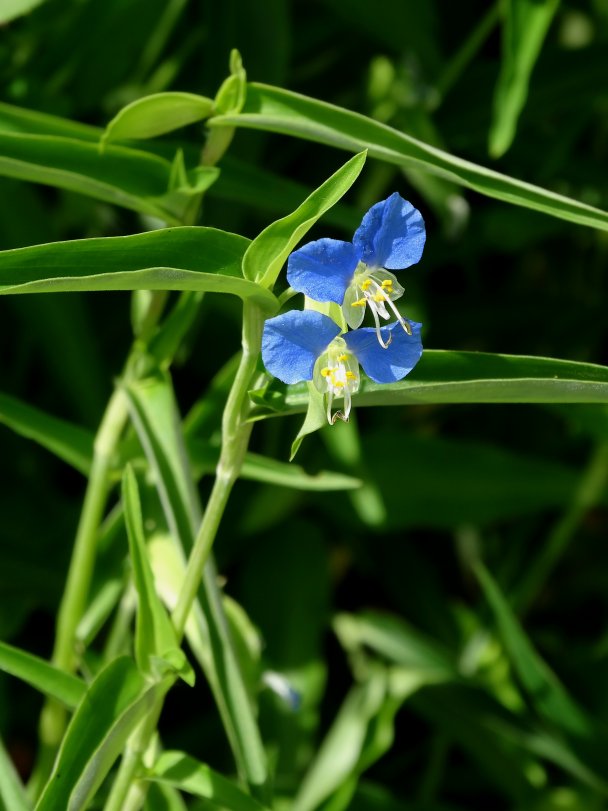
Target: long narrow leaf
[
  {"x": 463, "y": 377},
  {"x": 69, "y": 442},
  {"x": 41, "y": 675},
  {"x": 112, "y": 707},
  {"x": 186, "y": 258},
  {"x": 525, "y": 26},
  {"x": 546, "y": 692},
  {"x": 270, "y": 108},
  {"x": 122, "y": 176},
  {"x": 156, "y": 419},
  {"x": 154, "y": 634},
  {"x": 260, "y": 468},
  {"x": 12, "y": 792},
  {"x": 187, "y": 774},
  {"x": 268, "y": 252}
]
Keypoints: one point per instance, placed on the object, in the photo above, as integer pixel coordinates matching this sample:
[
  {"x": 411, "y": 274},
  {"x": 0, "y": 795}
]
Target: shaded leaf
[
  {"x": 525, "y": 26},
  {"x": 12, "y": 792},
  {"x": 69, "y": 442},
  {"x": 41, "y": 675},
  {"x": 546, "y": 693}
]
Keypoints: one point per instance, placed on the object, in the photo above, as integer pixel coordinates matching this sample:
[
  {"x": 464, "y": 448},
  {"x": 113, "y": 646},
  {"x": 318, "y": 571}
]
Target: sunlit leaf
[
  {"x": 157, "y": 114},
  {"x": 270, "y": 108},
  {"x": 187, "y": 258}
]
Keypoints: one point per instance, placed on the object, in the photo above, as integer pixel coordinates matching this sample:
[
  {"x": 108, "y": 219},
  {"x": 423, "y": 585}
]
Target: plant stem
[
  {"x": 123, "y": 787},
  {"x": 125, "y": 794},
  {"x": 235, "y": 438},
  {"x": 54, "y": 717}
]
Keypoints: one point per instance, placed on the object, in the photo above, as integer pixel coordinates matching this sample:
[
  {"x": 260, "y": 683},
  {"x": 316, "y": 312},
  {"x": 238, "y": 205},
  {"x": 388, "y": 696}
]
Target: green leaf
[
  {"x": 12, "y": 792},
  {"x": 157, "y": 114},
  {"x": 187, "y": 774},
  {"x": 15, "y": 119},
  {"x": 396, "y": 642},
  {"x": 154, "y": 635},
  {"x": 240, "y": 182},
  {"x": 268, "y": 252},
  {"x": 69, "y": 442},
  {"x": 186, "y": 258},
  {"x": 258, "y": 468},
  {"x": 233, "y": 90},
  {"x": 112, "y": 707},
  {"x": 270, "y": 108},
  {"x": 463, "y": 377},
  {"x": 360, "y": 734},
  {"x": 11, "y": 9},
  {"x": 122, "y": 176},
  {"x": 546, "y": 692},
  {"x": 41, "y": 675},
  {"x": 157, "y": 421},
  {"x": 315, "y": 419},
  {"x": 552, "y": 748},
  {"x": 525, "y": 26}
]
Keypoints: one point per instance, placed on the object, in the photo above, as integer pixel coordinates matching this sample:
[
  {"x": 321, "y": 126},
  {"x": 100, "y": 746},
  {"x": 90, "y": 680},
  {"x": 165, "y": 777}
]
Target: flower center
[
  {"x": 337, "y": 374},
  {"x": 377, "y": 289}
]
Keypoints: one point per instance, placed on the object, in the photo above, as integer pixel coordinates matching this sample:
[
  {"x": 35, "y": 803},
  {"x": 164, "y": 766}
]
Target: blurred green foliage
[{"x": 434, "y": 683}]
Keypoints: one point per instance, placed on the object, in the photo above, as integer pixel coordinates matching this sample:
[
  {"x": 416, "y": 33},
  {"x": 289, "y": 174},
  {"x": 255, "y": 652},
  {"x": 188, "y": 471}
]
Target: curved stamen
[
  {"x": 374, "y": 310},
  {"x": 382, "y": 291}
]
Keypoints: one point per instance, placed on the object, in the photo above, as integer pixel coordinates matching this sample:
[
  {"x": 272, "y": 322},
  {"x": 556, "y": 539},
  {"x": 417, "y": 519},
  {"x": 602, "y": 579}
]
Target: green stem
[
  {"x": 65, "y": 656},
  {"x": 126, "y": 795},
  {"x": 235, "y": 439}
]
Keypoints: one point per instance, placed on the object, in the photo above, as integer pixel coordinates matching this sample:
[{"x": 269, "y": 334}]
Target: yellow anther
[
  {"x": 351, "y": 375},
  {"x": 339, "y": 384},
  {"x": 365, "y": 285},
  {"x": 326, "y": 372},
  {"x": 379, "y": 297},
  {"x": 387, "y": 284},
  {"x": 342, "y": 358},
  {"x": 359, "y": 303}
]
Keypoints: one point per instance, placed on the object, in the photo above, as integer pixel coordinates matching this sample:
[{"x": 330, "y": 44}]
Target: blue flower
[
  {"x": 306, "y": 345},
  {"x": 357, "y": 274}
]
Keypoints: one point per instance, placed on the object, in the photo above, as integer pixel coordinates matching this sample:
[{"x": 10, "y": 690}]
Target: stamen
[
  {"x": 374, "y": 310},
  {"x": 359, "y": 303},
  {"x": 338, "y": 379},
  {"x": 400, "y": 318},
  {"x": 366, "y": 284},
  {"x": 387, "y": 284}
]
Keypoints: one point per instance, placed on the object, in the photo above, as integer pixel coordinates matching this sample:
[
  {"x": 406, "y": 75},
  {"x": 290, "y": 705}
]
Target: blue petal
[
  {"x": 292, "y": 342},
  {"x": 391, "y": 364},
  {"x": 391, "y": 234},
  {"x": 323, "y": 269}
]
